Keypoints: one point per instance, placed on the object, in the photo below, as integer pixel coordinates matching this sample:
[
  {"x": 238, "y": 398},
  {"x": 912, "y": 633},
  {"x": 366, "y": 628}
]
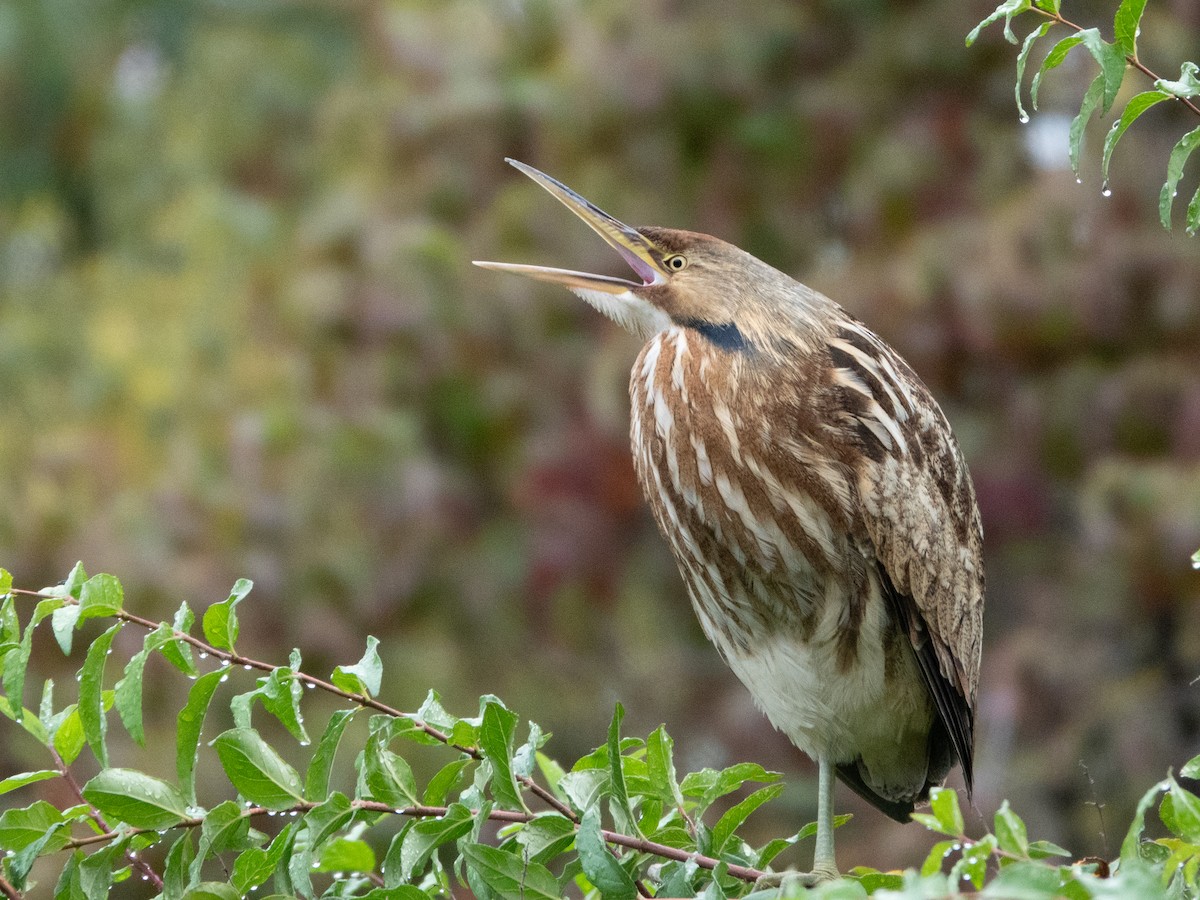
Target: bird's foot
[{"x": 782, "y": 880}]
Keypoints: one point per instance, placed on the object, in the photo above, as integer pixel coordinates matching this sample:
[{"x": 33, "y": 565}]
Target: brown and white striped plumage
[{"x": 814, "y": 498}]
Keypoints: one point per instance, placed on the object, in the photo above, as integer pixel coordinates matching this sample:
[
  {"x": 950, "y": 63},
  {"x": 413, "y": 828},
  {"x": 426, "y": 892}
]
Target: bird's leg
[{"x": 824, "y": 865}]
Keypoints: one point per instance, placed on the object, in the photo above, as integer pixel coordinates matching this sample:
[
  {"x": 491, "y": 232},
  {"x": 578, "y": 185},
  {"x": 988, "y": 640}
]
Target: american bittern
[{"x": 816, "y": 502}]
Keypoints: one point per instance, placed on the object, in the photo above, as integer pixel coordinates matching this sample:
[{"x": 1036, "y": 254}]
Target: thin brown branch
[
  {"x": 146, "y": 870},
  {"x": 615, "y": 838},
  {"x": 8, "y": 891},
  {"x": 1129, "y": 58}
]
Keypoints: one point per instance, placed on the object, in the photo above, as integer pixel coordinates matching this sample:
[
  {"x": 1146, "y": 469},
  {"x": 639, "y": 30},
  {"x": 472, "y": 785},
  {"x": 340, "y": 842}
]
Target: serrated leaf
[
  {"x": 316, "y": 785},
  {"x": 496, "y": 742},
  {"x": 91, "y": 692},
  {"x": 708, "y": 784},
  {"x": 733, "y": 818},
  {"x": 1086, "y": 108},
  {"x": 660, "y": 763},
  {"x": 1006, "y": 11},
  {"x": 220, "y": 622},
  {"x": 510, "y": 876},
  {"x": 188, "y": 728},
  {"x": 364, "y": 677},
  {"x": 256, "y": 770},
  {"x": 600, "y": 867},
  {"x": 101, "y": 595},
  {"x": 19, "y": 781},
  {"x": 425, "y": 836},
  {"x": 1178, "y": 159},
  {"x": 21, "y": 827},
  {"x": 137, "y": 799},
  {"x": 1134, "y": 108},
  {"x": 1126, "y": 25}
]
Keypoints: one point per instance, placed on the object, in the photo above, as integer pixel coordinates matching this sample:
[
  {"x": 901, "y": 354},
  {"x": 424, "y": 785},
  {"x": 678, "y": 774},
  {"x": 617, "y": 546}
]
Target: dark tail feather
[{"x": 900, "y": 811}]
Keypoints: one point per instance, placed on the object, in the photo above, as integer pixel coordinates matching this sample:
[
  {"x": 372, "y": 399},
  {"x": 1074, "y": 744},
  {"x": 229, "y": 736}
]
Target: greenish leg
[{"x": 824, "y": 865}]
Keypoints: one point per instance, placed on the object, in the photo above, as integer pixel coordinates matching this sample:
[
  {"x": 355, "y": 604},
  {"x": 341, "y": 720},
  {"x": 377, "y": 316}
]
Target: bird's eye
[{"x": 676, "y": 262}]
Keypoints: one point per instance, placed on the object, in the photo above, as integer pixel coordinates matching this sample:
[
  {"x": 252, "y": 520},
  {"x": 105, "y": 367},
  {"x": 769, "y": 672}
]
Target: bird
[{"x": 816, "y": 501}]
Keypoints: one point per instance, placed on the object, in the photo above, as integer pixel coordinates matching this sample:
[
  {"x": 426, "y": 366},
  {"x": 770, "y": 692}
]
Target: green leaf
[
  {"x": 1180, "y": 812},
  {"x": 16, "y": 663},
  {"x": 1023, "y": 58},
  {"x": 679, "y": 879},
  {"x": 1129, "y": 847},
  {"x": 1134, "y": 108},
  {"x": 188, "y": 727},
  {"x": 19, "y": 864},
  {"x": 128, "y": 691},
  {"x": 62, "y": 623},
  {"x": 525, "y": 756},
  {"x": 137, "y": 799},
  {"x": 510, "y": 876},
  {"x": 973, "y": 864},
  {"x": 1186, "y": 87},
  {"x": 224, "y": 828},
  {"x": 1111, "y": 61},
  {"x": 425, "y": 836},
  {"x": 281, "y": 693},
  {"x": 178, "y": 652},
  {"x": 622, "y": 811},
  {"x": 220, "y": 621},
  {"x": 101, "y": 595},
  {"x": 179, "y": 860},
  {"x": 708, "y": 784},
  {"x": 732, "y": 820},
  {"x": 18, "y": 781},
  {"x": 316, "y": 787},
  {"x": 91, "y": 691},
  {"x": 1025, "y": 881},
  {"x": 660, "y": 765},
  {"x": 365, "y": 677},
  {"x": 444, "y": 781},
  {"x": 73, "y": 586},
  {"x": 1086, "y": 108},
  {"x": 1046, "y": 849},
  {"x": 937, "y": 856},
  {"x": 5, "y": 581},
  {"x": 1125, "y": 25},
  {"x": 346, "y": 855},
  {"x": 389, "y": 777},
  {"x": 1006, "y": 10},
  {"x": 1010, "y": 831},
  {"x": 1191, "y": 769},
  {"x": 256, "y": 770},
  {"x": 68, "y": 736},
  {"x": 212, "y": 890},
  {"x": 96, "y": 873},
  {"x": 496, "y": 742},
  {"x": 1178, "y": 159},
  {"x": 1193, "y": 213},
  {"x": 256, "y": 865},
  {"x": 546, "y": 836},
  {"x": 943, "y": 803},
  {"x": 21, "y": 827},
  {"x": 600, "y": 867}
]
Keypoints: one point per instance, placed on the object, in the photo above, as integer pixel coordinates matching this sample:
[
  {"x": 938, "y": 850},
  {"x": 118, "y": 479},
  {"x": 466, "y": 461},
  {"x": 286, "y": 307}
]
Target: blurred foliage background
[{"x": 239, "y": 336}]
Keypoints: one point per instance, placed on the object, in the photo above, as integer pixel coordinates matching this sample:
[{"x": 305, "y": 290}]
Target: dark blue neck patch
[{"x": 724, "y": 335}]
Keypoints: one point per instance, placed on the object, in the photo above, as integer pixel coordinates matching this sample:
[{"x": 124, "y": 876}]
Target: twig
[
  {"x": 9, "y": 892},
  {"x": 615, "y": 838},
  {"x": 94, "y": 814},
  {"x": 1129, "y": 58}
]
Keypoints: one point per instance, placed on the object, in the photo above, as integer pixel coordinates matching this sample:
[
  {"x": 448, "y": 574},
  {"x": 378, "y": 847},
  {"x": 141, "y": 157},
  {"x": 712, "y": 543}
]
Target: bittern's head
[{"x": 692, "y": 280}]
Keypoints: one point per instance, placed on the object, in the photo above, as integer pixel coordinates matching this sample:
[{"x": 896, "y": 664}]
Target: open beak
[{"x": 642, "y": 256}]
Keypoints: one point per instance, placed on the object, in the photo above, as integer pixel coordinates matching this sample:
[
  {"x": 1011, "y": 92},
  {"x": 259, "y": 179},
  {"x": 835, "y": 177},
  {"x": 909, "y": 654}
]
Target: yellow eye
[{"x": 676, "y": 262}]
